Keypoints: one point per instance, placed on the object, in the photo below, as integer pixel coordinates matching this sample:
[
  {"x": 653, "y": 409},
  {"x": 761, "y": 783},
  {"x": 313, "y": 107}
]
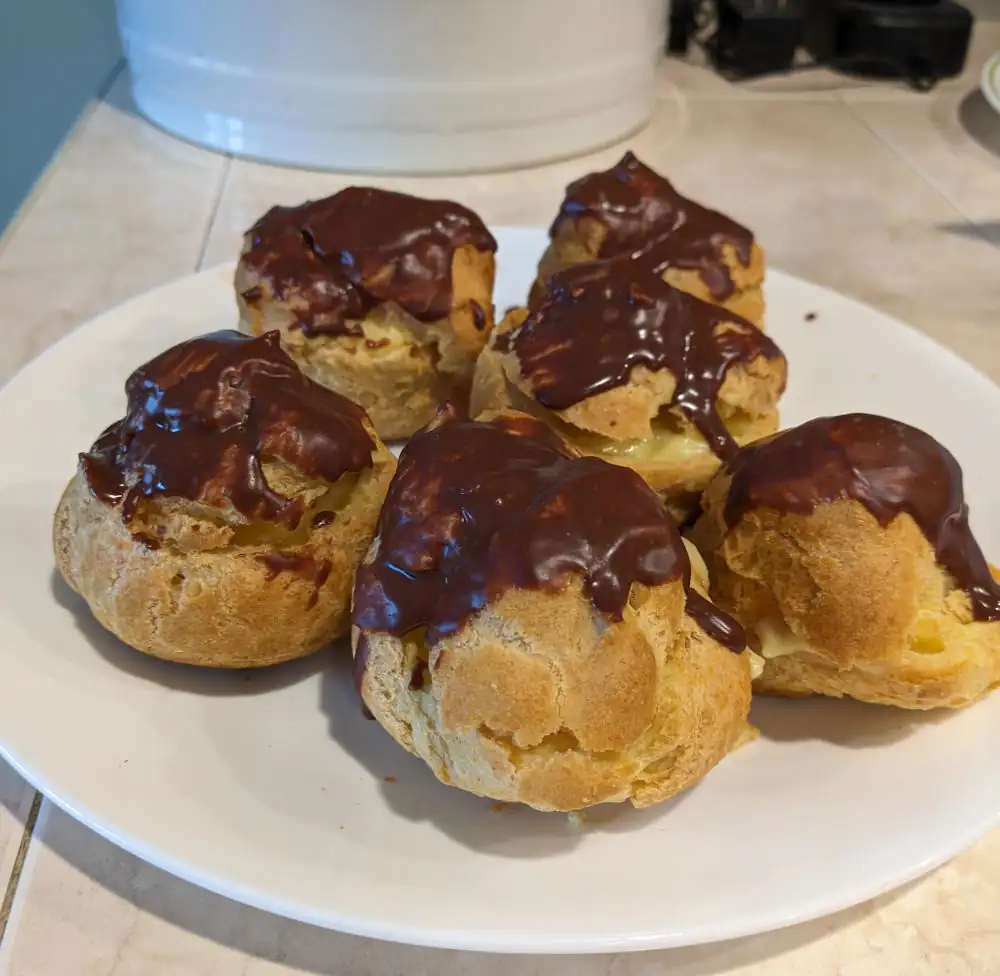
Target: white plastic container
[{"x": 408, "y": 86}]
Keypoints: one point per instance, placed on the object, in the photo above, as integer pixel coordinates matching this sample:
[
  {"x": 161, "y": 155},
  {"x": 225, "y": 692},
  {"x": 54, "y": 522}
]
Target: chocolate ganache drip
[
  {"x": 643, "y": 215},
  {"x": 600, "y": 320},
  {"x": 204, "y": 415},
  {"x": 888, "y": 467},
  {"x": 478, "y": 508},
  {"x": 344, "y": 255}
]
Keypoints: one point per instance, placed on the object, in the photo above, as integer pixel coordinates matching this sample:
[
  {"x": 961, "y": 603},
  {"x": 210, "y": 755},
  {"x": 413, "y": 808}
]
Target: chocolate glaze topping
[
  {"x": 362, "y": 247},
  {"x": 643, "y": 215},
  {"x": 478, "y": 508},
  {"x": 885, "y": 465},
  {"x": 203, "y": 416},
  {"x": 599, "y": 320},
  {"x": 323, "y": 518},
  {"x": 722, "y": 628}
]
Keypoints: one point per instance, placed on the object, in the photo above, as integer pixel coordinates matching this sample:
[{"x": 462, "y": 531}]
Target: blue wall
[{"x": 54, "y": 56}]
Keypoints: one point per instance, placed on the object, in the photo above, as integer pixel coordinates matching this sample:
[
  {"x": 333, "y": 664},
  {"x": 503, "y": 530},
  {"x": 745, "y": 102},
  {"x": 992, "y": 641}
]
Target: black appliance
[{"x": 920, "y": 41}]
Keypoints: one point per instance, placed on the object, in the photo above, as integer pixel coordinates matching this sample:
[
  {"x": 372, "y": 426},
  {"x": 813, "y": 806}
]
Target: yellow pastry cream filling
[
  {"x": 321, "y": 510},
  {"x": 674, "y": 439}
]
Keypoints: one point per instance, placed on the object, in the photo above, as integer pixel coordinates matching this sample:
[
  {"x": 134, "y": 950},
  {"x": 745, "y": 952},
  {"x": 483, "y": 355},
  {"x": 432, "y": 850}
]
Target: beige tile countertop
[{"x": 887, "y": 195}]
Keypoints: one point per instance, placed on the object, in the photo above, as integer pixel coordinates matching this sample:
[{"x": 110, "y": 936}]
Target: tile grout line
[
  {"x": 214, "y": 211},
  {"x": 915, "y": 168},
  {"x": 22, "y": 853}
]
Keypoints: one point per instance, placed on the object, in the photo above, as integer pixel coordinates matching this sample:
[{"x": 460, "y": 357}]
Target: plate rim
[{"x": 495, "y": 941}]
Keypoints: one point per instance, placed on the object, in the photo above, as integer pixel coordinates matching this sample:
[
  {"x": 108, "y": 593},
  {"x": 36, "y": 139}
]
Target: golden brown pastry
[
  {"x": 526, "y": 622},
  {"x": 634, "y": 371},
  {"x": 843, "y": 546},
  {"x": 383, "y": 297},
  {"x": 632, "y": 210},
  {"x": 222, "y": 520}
]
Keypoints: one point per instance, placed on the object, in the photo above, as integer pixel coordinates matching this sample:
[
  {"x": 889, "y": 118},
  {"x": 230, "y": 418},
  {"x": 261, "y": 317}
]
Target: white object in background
[
  {"x": 273, "y": 789},
  {"x": 990, "y": 81},
  {"x": 408, "y": 86}
]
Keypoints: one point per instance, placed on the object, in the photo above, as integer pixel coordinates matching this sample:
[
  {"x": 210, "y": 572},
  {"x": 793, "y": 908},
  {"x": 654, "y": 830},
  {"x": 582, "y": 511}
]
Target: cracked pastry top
[
  {"x": 382, "y": 296},
  {"x": 531, "y": 624},
  {"x": 845, "y": 548},
  {"x": 221, "y": 520},
  {"x": 631, "y": 210},
  {"x": 632, "y": 370}
]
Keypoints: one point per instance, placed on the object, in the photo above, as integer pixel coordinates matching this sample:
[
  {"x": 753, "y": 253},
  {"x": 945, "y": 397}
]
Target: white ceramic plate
[
  {"x": 271, "y": 788},
  {"x": 989, "y": 82}
]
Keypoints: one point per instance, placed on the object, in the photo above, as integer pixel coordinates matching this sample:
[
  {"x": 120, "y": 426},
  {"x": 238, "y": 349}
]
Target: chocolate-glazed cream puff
[
  {"x": 384, "y": 297},
  {"x": 221, "y": 521},
  {"x": 531, "y": 624},
  {"x": 632, "y": 370},
  {"x": 844, "y": 547},
  {"x": 631, "y": 210}
]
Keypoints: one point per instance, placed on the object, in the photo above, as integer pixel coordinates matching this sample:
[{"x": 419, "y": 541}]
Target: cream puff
[
  {"x": 384, "y": 297},
  {"x": 632, "y": 370},
  {"x": 631, "y": 210},
  {"x": 843, "y": 546},
  {"x": 221, "y": 521},
  {"x": 530, "y": 623}
]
